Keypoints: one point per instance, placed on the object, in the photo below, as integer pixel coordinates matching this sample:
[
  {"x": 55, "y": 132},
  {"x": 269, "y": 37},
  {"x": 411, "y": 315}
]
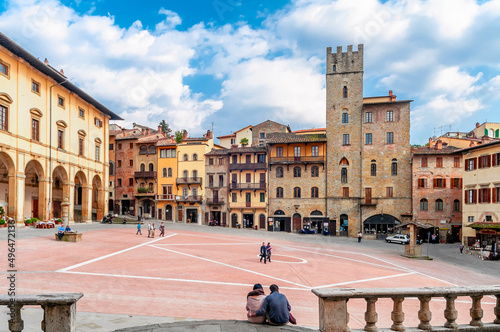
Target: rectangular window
[
  {"x": 81, "y": 113},
  {"x": 131, "y": 182},
  {"x": 296, "y": 151},
  {"x": 35, "y": 130},
  {"x": 470, "y": 164},
  {"x": 345, "y": 118},
  {"x": 233, "y": 140},
  {"x": 456, "y": 183},
  {"x": 315, "y": 151},
  {"x": 495, "y": 159},
  {"x": 119, "y": 146},
  {"x": 248, "y": 159},
  {"x": 345, "y": 192},
  {"x": 131, "y": 162},
  {"x": 80, "y": 146},
  {"x": 496, "y": 195},
  {"x": 262, "y": 135},
  {"x": 210, "y": 161},
  {"x": 368, "y": 139},
  {"x": 422, "y": 183},
  {"x": 60, "y": 139},
  {"x": 119, "y": 182},
  {"x": 423, "y": 162},
  {"x": 439, "y": 183},
  {"x": 389, "y": 116},
  {"x": 261, "y": 158},
  {"x": 131, "y": 145},
  {"x": 439, "y": 161},
  {"x": 248, "y": 177},
  {"x": 262, "y": 197},
  {"x": 97, "y": 152},
  {"x": 163, "y": 153},
  {"x": 345, "y": 139},
  {"x": 60, "y": 101},
  {"x": 484, "y": 195},
  {"x": 4, "y": 116},
  {"x": 390, "y": 138},
  {"x": 221, "y": 160},
  {"x": 111, "y": 146},
  {"x": 485, "y": 161},
  {"x": 368, "y": 117},
  {"x": 279, "y": 152},
  {"x": 4, "y": 69},
  {"x": 35, "y": 87},
  {"x": 389, "y": 192},
  {"x": 221, "y": 180},
  {"x": 471, "y": 196},
  {"x": 470, "y": 218},
  {"x": 456, "y": 162},
  {"x": 97, "y": 122},
  {"x": 234, "y": 198}
]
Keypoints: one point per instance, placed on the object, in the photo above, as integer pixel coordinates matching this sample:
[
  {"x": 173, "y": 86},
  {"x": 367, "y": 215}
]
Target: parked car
[{"x": 398, "y": 238}]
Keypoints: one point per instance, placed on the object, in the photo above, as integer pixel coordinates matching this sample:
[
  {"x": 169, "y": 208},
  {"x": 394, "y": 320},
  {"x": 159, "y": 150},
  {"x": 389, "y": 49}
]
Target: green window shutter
[
  {"x": 497, "y": 133},
  {"x": 485, "y": 132}
]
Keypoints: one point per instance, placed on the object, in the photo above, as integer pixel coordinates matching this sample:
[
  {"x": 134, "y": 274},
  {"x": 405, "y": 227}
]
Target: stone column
[
  {"x": 20, "y": 193},
  {"x": 59, "y": 318},
  {"x": 333, "y": 315},
  {"x": 69, "y": 192},
  {"x": 65, "y": 211},
  {"x": 43, "y": 200},
  {"x": 87, "y": 204},
  {"x": 12, "y": 208}
]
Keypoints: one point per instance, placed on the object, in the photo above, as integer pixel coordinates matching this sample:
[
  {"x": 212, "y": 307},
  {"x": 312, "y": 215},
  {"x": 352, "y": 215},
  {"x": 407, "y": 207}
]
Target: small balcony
[
  {"x": 368, "y": 202},
  {"x": 247, "y": 167},
  {"x": 215, "y": 201},
  {"x": 145, "y": 175},
  {"x": 191, "y": 180},
  {"x": 298, "y": 160},
  {"x": 143, "y": 192},
  {"x": 190, "y": 199},
  {"x": 215, "y": 185},
  {"x": 165, "y": 197},
  {"x": 248, "y": 185}
]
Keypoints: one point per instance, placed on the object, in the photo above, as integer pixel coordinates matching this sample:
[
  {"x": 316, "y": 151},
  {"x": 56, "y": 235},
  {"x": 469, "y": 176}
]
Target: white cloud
[{"x": 171, "y": 21}]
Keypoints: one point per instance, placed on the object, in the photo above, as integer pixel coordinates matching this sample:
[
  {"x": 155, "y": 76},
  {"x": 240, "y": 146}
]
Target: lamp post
[{"x": 50, "y": 148}]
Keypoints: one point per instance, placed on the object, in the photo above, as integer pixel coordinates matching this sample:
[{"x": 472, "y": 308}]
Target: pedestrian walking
[
  {"x": 138, "y": 229},
  {"x": 162, "y": 230},
  {"x": 433, "y": 237},
  {"x": 360, "y": 236},
  {"x": 153, "y": 230},
  {"x": 268, "y": 250},
  {"x": 149, "y": 230},
  {"x": 461, "y": 248},
  {"x": 263, "y": 252}
]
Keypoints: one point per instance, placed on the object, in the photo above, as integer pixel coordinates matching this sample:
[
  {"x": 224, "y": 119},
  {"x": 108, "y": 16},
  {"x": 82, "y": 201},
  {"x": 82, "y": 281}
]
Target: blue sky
[{"x": 239, "y": 62}]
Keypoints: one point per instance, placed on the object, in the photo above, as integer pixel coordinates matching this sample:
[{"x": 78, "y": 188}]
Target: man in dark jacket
[
  {"x": 263, "y": 252},
  {"x": 275, "y": 307}
]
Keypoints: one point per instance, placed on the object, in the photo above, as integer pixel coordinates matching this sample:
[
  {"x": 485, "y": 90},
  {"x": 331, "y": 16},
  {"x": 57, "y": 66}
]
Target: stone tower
[
  {"x": 368, "y": 150},
  {"x": 344, "y": 104}
]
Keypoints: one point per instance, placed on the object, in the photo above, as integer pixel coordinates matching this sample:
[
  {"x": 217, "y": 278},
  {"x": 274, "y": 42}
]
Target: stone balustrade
[
  {"x": 59, "y": 310},
  {"x": 334, "y": 316}
]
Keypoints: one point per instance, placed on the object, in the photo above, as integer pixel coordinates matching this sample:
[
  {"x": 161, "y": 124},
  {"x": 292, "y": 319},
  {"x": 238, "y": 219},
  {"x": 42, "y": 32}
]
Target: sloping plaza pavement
[{"x": 99, "y": 322}]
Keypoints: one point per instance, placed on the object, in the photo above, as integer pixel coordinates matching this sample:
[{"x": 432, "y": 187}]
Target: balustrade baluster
[
  {"x": 476, "y": 312},
  {"x": 450, "y": 313},
  {"x": 424, "y": 314},
  {"x": 16, "y": 324},
  {"x": 397, "y": 314},
  {"x": 371, "y": 315},
  {"x": 497, "y": 310}
]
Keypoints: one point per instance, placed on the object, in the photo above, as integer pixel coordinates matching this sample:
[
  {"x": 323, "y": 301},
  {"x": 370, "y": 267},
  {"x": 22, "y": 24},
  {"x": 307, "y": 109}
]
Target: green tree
[
  {"x": 178, "y": 135},
  {"x": 165, "y": 127},
  {"x": 244, "y": 141}
]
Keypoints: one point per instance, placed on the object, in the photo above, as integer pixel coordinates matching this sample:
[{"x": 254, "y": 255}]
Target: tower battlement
[{"x": 344, "y": 62}]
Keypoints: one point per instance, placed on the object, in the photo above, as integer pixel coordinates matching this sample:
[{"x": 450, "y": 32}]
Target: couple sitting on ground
[{"x": 273, "y": 308}]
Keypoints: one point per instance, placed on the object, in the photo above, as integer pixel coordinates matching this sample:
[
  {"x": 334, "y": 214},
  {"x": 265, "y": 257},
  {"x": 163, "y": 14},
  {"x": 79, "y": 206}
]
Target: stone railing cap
[{"x": 42, "y": 299}]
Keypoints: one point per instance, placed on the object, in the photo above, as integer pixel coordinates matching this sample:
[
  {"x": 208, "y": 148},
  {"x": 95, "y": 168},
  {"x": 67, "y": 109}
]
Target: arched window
[
  {"x": 456, "y": 205},
  {"x": 394, "y": 167},
  {"x": 491, "y": 133},
  {"x": 345, "y": 118},
  {"x": 164, "y": 172},
  {"x": 111, "y": 168},
  {"x": 185, "y": 157},
  {"x": 373, "y": 168},
  {"x": 195, "y": 156},
  {"x": 314, "y": 171},
  {"x": 343, "y": 175},
  {"x": 279, "y": 192},
  {"x": 439, "y": 204},
  {"x": 143, "y": 168},
  {"x": 152, "y": 149},
  {"x": 151, "y": 187},
  {"x": 296, "y": 192},
  {"x": 195, "y": 173},
  {"x": 296, "y": 172},
  {"x": 424, "y": 205},
  {"x": 185, "y": 174},
  {"x": 334, "y": 67},
  {"x": 169, "y": 174},
  {"x": 344, "y": 162},
  {"x": 143, "y": 149},
  {"x": 279, "y": 172},
  {"x": 314, "y": 192},
  {"x": 151, "y": 167},
  {"x": 344, "y": 92}
]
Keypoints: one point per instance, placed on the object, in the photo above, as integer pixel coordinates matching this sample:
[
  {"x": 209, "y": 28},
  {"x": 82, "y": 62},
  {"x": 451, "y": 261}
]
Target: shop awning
[{"x": 485, "y": 225}]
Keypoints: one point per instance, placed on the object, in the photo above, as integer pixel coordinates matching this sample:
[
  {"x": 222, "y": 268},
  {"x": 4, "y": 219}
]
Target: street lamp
[{"x": 50, "y": 148}]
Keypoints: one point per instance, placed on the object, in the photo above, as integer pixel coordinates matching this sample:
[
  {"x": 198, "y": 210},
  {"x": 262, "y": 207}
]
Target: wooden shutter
[
  {"x": 494, "y": 161},
  {"x": 434, "y": 183},
  {"x": 497, "y": 133},
  {"x": 474, "y": 196},
  {"x": 466, "y": 164},
  {"x": 488, "y": 195},
  {"x": 489, "y": 160},
  {"x": 475, "y": 163},
  {"x": 444, "y": 183},
  {"x": 494, "y": 195},
  {"x": 460, "y": 183}
]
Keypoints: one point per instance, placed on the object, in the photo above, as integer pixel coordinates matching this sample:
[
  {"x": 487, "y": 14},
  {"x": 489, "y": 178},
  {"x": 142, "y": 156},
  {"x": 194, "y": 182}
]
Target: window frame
[
  {"x": 390, "y": 137},
  {"x": 60, "y": 139},
  {"x": 368, "y": 117},
  {"x": 389, "y": 116},
  {"x": 297, "y": 192},
  {"x": 345, "y": 139},
  {"x": 59, "y": 99},
  {"x": 424, "y": 204},
  {"x": 368, "y": 139},
  {"x": 279, "y": 172},
  {"x": 38, "y": 86},
  {"x": 35, "y": 129},
  {"x": 279, "y": 192},
  {"x": 314, "y": 192},
  {"x": 345, "y": 117},
  {"x": 4, "y": 117},
  {"x": 314, "y": 171},
  {"x": 7, "y": 69}
]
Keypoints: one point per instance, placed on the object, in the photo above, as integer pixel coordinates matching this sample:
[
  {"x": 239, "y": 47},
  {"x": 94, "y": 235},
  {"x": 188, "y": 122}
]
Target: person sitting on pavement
[
  {"x": 60, "y": 232},
  {"x": 254, "y": 302},
  {"x": 275, "y": 307}
]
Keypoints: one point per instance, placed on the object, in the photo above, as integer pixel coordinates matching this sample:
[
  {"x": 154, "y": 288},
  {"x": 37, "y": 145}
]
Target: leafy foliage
[{"x": 165, "y": 128}]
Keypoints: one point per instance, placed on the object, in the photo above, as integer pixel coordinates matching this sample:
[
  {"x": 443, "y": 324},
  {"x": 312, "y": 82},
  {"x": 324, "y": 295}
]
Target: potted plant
[
  {"x": 29, "y": 222},
  {"x": 58, "y": 221},
  {"x": 244, "y": 141},
  {"x": 2, "y": 212},
  {"x": 2, "y": 223}
]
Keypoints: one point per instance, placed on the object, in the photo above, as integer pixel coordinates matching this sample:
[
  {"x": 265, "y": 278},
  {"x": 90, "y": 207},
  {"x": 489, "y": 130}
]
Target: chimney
[
  {"x": 124, "y": 130},
  {"x": 143, "y": 131},
  {"x": 61, "y": 71},
  {"x": 46, "y": 61},
  {"x": 391, "y": 96},
  {"x": 430, "y": 143},
  {"x": 485, "y": 139},
  {"x": 390, "y": 92},
  {"x": 208, "y": 134},
  {"x": 159, "y": 128},
  {"x": 439, "y": 145},
  {"x": 471, "y": 143},
  {"x": 184, "y": 134},
  {"x": 459, "y": 135},
  {"x": 147, "y": 131},
  {"x": 477, "y": 124}
]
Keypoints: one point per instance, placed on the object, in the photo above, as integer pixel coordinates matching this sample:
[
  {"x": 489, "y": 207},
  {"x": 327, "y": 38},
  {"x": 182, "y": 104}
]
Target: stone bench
[{"x": 70, "y": 237}]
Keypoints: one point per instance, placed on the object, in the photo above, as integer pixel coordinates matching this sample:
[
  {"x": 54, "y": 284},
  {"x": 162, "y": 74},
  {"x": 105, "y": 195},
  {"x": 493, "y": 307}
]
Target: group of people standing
[
  {"x": 265, "y": 252},
  {"x": 273, "y": 308},
  {"x": 151, "y": 229}
]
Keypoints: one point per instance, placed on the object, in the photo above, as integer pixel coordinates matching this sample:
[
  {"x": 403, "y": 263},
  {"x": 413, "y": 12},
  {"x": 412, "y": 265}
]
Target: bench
[{"x": 70, "y": 237}]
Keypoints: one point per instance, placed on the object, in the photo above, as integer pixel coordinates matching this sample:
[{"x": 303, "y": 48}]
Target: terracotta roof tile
[{"x": 276, "y": 138}]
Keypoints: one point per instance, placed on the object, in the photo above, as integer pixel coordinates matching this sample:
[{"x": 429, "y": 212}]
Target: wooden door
[
  {"x": 262, "y": 180},
  {"x": 160, "y": 214},
  {"x": 216, "y": 196},
  {"x": 262, "y": 221},
  {"x": 34, "y": 206},
  {"x": 368, "y": 195},
  {"x": 179, "y": 215},
  {"x": 223, "y": 219}
]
